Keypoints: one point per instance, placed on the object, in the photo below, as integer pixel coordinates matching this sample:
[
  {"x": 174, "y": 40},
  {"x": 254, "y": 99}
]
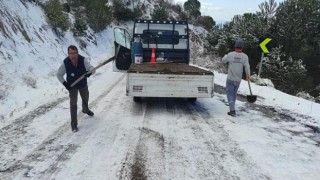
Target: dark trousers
[{"x": 73, "y": 94}]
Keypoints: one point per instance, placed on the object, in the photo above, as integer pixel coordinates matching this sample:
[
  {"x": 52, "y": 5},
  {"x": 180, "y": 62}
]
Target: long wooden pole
[{"x": 100, "y": 65}]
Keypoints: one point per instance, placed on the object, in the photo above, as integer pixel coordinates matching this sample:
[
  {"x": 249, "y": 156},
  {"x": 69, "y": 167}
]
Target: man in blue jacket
[
  {"x": 236, "y": 60},
  {"x": 75, "y": 66}
]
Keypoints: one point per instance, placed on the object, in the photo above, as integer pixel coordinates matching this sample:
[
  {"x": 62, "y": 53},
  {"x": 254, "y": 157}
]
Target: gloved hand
[
  {"x": 67, "y": 85},
  {"x": 88, "y": 75}
]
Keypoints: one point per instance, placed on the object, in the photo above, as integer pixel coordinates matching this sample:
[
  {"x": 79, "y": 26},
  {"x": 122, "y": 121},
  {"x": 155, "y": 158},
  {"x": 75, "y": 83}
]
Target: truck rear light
[
  {"x": 202, "y": 89},
  {"x": 137, "y": 88}
]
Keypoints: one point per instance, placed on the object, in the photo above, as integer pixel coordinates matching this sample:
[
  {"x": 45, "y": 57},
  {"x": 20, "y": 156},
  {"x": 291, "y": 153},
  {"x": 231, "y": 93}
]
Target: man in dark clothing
[{"x": 75, "y": 66}]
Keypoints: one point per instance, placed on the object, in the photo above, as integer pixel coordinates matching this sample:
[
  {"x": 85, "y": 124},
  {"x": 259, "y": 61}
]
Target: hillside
[{"x": 31, "y": 53}]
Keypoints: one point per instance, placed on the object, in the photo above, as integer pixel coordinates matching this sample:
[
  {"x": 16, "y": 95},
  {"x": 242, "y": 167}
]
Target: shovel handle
[
  {"x": 249, "y": 87},
  {"x": 81, "y": 77}
]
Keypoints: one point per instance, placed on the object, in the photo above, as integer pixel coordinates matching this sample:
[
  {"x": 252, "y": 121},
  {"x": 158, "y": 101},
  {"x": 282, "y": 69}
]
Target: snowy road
[{"x": 160, "y": 138}]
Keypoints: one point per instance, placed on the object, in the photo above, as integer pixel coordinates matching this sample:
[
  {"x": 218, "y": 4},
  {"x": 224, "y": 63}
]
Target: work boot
[
  {"x": 90, "y": 113},
  {"x": 232, "y": 113},
  {"x": 75, "y": 129}
]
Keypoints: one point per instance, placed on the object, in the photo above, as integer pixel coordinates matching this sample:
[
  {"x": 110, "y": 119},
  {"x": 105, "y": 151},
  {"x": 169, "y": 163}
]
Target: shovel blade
[{"x": 251, "y": 98}]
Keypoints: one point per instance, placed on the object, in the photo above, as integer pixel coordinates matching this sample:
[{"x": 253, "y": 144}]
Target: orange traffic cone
[{"x": 153, "y": 56}]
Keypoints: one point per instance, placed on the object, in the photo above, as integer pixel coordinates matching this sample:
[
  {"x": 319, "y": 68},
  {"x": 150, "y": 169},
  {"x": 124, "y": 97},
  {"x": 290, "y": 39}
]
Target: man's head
[
  {"x": 239, "y": 44},
  {"x": 73, "y": 53}
]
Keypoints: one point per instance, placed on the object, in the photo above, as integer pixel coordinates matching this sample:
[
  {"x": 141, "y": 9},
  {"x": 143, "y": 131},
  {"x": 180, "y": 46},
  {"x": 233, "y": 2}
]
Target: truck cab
[{"x": 169, "y": 39}]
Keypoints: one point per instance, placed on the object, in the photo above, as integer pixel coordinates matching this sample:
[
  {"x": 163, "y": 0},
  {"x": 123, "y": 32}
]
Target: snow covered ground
[
  {"x": 275, "y": 138},
  {"x": 278, "y": 137}
]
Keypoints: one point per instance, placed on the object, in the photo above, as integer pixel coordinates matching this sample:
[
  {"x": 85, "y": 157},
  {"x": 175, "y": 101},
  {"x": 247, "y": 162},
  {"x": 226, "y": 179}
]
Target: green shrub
[
  {"x": 56, "y": 17},
  {"x": 160, "y": 12},
  {"x": 287, "y": 75},
  {"x": 122, "y": 13},
  {"x": 80, "y": 24},
  {"x": 206, "y": 22},
  {"x": 183, "y": 16},
  {"x": 137, "y": 12},
  {"x": 192, "y": 7},
  {"x": 99, "y": 14}
]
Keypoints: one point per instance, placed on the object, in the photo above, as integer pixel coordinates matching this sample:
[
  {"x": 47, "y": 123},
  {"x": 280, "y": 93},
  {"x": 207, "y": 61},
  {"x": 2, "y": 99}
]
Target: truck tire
[
  {"x": 192, "y": 100},
  {"x": 137, "y": 99}
]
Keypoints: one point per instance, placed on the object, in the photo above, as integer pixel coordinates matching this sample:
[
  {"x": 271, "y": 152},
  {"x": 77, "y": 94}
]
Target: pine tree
[
  {"x": 80, "y": 24},
  {"x": 123, "y": 13},
  {"x": 99, "y": 14},
  {"x": 297, "y": 29},
  {"x": 285, "y": 75},
  {"x": 193, "y": 8},
  {"x": 206, "y": 22},
  {"x": 57, "y": 18},
  {"x": 297, "y": 25},
  {"x": 160, "y": 12}
]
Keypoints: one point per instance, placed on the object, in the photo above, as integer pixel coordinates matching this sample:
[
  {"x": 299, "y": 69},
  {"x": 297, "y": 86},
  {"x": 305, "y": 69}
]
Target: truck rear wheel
[
  {"x": 137, "y": 99},
  {"x": 192, "y": 100}
]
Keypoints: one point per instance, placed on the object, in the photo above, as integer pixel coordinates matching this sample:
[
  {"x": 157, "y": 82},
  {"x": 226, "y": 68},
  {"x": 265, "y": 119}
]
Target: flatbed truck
[{"x": 169, "y": 73}]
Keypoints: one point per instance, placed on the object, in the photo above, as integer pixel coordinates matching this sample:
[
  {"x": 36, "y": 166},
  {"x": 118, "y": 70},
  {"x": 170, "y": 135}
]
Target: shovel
[
  {"x": 81, "y": 77},
  {"x": 251, "y": 98}
]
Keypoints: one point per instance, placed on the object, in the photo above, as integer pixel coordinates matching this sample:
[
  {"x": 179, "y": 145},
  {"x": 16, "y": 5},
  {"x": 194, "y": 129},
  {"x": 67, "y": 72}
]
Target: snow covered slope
[{"x": 30, "y": 54}]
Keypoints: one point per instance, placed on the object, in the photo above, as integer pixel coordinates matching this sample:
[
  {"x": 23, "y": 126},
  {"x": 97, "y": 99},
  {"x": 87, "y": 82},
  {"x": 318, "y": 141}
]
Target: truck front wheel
[
  {"x": 192, "y": 100},
  {"x": 137, "y": 99}
]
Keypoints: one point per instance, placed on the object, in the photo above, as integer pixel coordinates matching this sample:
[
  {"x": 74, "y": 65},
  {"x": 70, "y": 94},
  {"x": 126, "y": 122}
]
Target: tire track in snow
[
  {"x": 196, "y": 150},
  {"x": 19, "y": 124},
  {"x": 173, "y": 159},
  {"x": 53, "y": 147},
  {"x": 138, "y": 111},
  {"x": 278, "y": 114},
  {"x": 149, "y": 153},
  {"x": 187, "y": 155},
  {"x": 143, "y": 162},
  {"x": 130, "y": 166},
  {"x": 111, "y": 149},
  {"x": 226, "y": 151},
  {"x": 14, "y": 134},
  {"x": 80, "y": 138},
  {"x": 161, "y": 150}
]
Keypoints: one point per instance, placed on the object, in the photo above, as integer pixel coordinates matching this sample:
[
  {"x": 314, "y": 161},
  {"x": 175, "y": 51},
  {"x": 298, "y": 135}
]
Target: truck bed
[{"x": 167, "y": 68}]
